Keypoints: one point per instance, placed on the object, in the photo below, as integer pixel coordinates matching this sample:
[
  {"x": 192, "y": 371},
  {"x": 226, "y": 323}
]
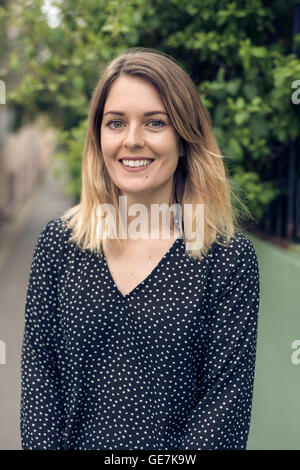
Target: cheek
[
  {"x": 164, "y": 145},
  {"x": 107, "y": 145},
  {"x": 171, "y": 150}
]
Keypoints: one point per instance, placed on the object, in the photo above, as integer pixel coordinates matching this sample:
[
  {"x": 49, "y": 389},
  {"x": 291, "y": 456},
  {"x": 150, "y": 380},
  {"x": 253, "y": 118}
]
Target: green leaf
[
  {"x": 235, "y": 149},
  {"x": 233, "y": 86},
  {"x": 259, "y": 52},
  {"x": 219, "y": 113},
  {"x": 250, "y": 91},
  {"x": 241, "y": 117},
  {"x": 240, "y": 102}
]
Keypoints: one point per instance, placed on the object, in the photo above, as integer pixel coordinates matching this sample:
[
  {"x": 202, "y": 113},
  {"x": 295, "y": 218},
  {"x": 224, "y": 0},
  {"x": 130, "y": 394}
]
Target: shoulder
[
  {"x": 52, "y": 241},
  {"x": 54, "y": 233},
  {"x": 234, "y": 261},
  {"x": 240, "y": 248},
  {"x": 56, "y": 229}
]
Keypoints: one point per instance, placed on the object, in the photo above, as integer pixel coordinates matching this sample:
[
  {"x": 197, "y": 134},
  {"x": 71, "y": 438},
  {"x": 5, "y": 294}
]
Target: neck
[{"x": 152, "y": 219}]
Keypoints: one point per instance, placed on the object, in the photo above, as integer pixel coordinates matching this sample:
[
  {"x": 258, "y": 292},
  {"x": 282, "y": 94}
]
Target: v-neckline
[{"x": 147, "y": 278}]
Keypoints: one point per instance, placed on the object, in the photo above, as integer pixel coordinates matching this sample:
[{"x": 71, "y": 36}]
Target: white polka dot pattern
[{"x": 168, "y": 366}]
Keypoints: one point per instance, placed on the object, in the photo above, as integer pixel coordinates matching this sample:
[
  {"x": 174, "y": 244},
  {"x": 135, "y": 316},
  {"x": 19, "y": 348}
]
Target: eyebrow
[{"x": 150, "y": 113}]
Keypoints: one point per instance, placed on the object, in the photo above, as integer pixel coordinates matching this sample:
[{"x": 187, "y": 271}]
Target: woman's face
[{"x": 136, "y": 127}]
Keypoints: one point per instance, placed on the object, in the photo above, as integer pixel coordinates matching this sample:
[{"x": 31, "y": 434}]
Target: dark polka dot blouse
[{"x": 168, "y": 366}]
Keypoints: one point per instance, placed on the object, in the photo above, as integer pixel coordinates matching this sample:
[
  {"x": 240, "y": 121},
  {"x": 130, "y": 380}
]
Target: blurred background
[{"x": 244, "y": 56}]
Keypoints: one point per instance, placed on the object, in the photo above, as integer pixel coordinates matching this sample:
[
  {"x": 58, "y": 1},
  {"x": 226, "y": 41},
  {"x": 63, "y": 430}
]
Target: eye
[
  {"x": 159, "y": 121},
  {"x": 113, "y": 121}
]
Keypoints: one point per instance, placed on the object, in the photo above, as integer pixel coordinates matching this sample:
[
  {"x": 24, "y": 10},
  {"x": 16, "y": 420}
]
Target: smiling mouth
[{"x": 142, "y": 163}]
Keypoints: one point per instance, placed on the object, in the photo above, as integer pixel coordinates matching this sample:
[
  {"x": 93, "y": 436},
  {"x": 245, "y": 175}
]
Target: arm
[
  {"x": 221, "y": 418},
  {"x": 41, "y": 405}
]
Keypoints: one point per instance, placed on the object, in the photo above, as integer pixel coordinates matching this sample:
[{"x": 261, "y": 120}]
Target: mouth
[{"x": 136, "y": 164}]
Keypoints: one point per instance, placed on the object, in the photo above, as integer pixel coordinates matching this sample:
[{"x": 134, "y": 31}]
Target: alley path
[{"x": 47, "y": 202}]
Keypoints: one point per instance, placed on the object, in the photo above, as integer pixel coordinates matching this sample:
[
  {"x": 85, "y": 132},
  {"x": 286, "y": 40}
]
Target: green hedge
[{"x": 239, "y": 53}]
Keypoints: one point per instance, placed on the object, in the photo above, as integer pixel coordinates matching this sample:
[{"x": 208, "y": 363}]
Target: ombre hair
[{"x": 200, "y": 177}]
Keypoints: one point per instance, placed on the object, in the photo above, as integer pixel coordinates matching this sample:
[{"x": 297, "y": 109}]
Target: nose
[{"x": 134, "y": 137}]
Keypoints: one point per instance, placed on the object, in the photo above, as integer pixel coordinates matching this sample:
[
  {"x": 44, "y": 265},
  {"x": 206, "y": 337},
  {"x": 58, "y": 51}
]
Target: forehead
[{"x": 132, "y": 91}]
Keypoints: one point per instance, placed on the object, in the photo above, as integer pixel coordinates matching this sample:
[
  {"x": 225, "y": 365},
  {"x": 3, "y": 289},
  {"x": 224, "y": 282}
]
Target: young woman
[{"x": 139, "y": 342}]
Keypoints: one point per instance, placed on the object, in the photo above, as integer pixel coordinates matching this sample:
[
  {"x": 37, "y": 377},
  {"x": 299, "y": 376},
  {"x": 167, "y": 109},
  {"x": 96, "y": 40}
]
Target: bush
[{"x": 239, "y": 53}]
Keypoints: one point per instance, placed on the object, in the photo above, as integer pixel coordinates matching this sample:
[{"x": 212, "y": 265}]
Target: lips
[
  {"x": 135, "y": 158},
  {"x": 135, "y": 168}
]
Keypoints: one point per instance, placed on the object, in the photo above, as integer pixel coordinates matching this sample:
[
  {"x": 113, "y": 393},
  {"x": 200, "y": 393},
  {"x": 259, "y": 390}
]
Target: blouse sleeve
[
  {"x": 41, "y": 413},
  {"x": 220, "y": 419}
]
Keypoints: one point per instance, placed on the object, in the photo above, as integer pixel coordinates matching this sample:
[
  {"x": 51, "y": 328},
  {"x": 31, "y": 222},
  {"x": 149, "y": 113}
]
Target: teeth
[{"x": 135, "y": 163}]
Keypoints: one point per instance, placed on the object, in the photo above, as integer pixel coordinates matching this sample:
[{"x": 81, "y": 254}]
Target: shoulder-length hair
[{"x": 200, "y": 177}]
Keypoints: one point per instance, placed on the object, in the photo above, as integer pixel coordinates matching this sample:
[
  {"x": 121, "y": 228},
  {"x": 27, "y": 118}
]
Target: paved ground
[{"x": 47, "y": 202}]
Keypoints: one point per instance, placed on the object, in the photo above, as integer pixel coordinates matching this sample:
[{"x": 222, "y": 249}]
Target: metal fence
[{"x": 282, "y": 219}]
